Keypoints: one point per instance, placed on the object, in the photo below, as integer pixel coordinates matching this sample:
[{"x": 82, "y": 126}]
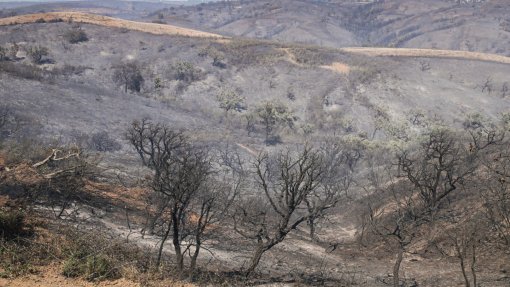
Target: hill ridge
[
  {"x": 153, "y": 28},
  {"x": 164, "y": 29}
]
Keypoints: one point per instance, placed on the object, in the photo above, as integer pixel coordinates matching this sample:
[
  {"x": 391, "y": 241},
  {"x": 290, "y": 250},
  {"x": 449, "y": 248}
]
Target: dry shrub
[
  {"x": 312, "y": 56},
  {"x": 12, "y": 223},
  {"x": 76, "y": 35},
  {"x": 102, "y": 142},
  {"x": 24, "y": 71},
  {"x": 37, "y": 53},
  {"x": 18, "y": 253},
  {"x": 243, "y": 53},
  {"x": 96, "y": 256}
]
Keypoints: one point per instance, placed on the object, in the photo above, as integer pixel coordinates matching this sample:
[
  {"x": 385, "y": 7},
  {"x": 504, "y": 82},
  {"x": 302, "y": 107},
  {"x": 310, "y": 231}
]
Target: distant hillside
[
  {"x": 456, "y": 25},
  {"x": 124, "y": 9},
  {"x": 153, "y": 28}
]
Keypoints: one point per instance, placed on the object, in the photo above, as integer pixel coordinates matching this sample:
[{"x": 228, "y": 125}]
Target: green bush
[
  {"x": 99, "y": 267},
  {"x": 17, "y": 258},
  {"x": 186, "y": 72},
  {"x": 229, "y": 100},
  {"x": 92, "y": 267},
  {"x": 17, "y": 253},
  {"x": 96, "y": 257},
  {"x": 73, "y": 267}
]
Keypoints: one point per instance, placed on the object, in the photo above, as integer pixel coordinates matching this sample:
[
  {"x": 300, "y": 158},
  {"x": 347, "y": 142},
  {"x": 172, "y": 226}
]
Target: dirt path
[
  {"x": 338, "y": 67},
  {"x": 51, "y": 276},
  {"x": 153, "y": 28},
  {"x": 291, "y": 57},
  {"x": 335, "y": 66},
  {"x": 249, "y": 150}
]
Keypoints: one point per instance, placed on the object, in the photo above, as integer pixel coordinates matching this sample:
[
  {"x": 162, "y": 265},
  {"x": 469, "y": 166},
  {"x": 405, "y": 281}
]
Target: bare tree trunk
[
  {"x": 473, "y": 263},
  {"x": 268, "y": 132},
  {"x": 396, "y": 267},
  {"x": 176, "y": 239},
  {"x": 256, "y": 259},
  {"x": 462, "y": 264},
  {"x": 177, "y": 244},
  {"x": 151, "y": 224},
  {"x": 163, "y": 240},
  {"x": 153, "y": 219},
  {"x": 311, "y": 225},
  {"x": 194, "y": 257},
  {"x": 464, "y": 274}
]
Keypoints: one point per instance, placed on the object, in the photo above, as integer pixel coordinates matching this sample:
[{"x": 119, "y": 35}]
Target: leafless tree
[
  {"x": 183, "y": 178},
  {"x": 287, "y": 181},
  {"x": 438, "y": 167},
  {"x": 466, "y": 239},
  {"x": 339, "y": 162},
  {"x": 504, "y": 90},
  {"x": 392, "y": 215},
  {"x": 101, "y": 141},
  {"x": 483, "y": 133},
  {"x": 129, "y": 75},
  {"x": 416, "y": 187},
  {"x": 487, "y": 86},
  {"x": 496, "y": 189}
]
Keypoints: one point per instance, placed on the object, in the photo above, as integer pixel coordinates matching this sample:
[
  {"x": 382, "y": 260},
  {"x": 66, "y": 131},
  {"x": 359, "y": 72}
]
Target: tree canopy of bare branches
[
  {"x": 191, "y": 200},
  {"x": 293, "y": 191},
  {"x": 129, "y": 75}
]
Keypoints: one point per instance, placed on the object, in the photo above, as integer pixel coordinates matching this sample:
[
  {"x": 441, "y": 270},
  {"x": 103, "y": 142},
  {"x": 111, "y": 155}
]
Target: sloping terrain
[
  {"x": 480, "y": 27},
  {"x": 152, "y": 28},
  {"x": 71, "y": 95},
  {"x": 155, "y": 28},
  {"x": 327, "y": 85}
]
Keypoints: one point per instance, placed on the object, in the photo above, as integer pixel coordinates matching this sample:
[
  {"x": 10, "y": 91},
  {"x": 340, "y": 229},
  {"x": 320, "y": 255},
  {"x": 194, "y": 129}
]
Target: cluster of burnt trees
[
  {"x": 448, "y": 189},
  {"x": 195, "y": 188},
  {"x": 436, "y": 188},
  {"x": 441, "y": 189}
]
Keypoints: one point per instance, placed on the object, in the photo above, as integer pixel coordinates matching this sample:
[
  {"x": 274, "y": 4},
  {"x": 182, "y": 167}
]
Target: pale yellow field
[{"x": 429, "y": 53}]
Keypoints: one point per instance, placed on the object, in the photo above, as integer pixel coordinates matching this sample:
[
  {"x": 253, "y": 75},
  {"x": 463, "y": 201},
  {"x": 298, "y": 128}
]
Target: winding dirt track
[{"x": 164, "y": 29}]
